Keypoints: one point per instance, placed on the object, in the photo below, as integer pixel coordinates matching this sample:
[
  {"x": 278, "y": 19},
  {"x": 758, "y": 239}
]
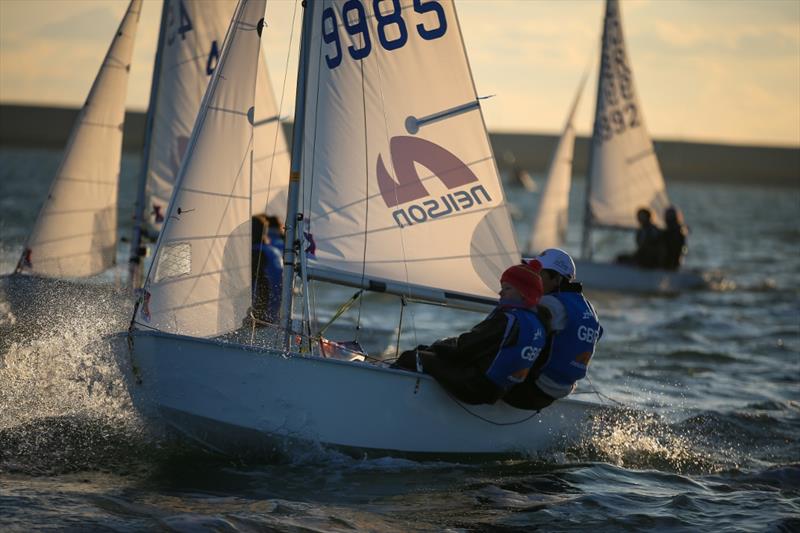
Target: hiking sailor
[
  {"x": 479, "y": 366},
  {"x": 575, "y": 330}
]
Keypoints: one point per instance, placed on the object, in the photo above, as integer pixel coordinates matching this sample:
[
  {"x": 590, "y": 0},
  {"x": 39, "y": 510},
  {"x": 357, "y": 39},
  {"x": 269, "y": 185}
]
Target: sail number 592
[{"x": 391, "y": 29}]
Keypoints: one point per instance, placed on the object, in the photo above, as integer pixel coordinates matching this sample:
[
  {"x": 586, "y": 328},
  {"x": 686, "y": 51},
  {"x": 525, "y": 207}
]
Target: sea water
[{"x": 706, "y": 437}]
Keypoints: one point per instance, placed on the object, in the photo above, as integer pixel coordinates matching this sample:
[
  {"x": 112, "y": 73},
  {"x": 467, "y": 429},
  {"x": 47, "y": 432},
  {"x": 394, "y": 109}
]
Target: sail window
[{"x": 175, "y": 261}]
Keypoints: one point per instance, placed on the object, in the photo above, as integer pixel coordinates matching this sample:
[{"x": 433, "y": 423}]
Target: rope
[
  {"x": 400, "y": 327},
  {"x": 340, "y": 311},
  {"x": 488, "y": 421},
  {"x": 280, "y": 105},
  {"x": 602, "y": 396},
  {"x": 366, "y": 203},
  {"x": 272, "y": 159}
]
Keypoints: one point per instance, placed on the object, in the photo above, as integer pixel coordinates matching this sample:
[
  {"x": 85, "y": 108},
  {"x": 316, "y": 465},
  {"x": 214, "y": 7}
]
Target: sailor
[
  {"x": 479, "y": 366},
  {"x": 574, "y": 332},
  {"x": 673, "y": 238},
  {"x": 649, "y": 247},
  {"x": 267, "y": 267}
]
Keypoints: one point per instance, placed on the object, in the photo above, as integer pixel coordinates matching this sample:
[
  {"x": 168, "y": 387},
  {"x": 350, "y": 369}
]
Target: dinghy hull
[
  {"x": 238, "y": 400},
  {"x": 623, "y": 278}
]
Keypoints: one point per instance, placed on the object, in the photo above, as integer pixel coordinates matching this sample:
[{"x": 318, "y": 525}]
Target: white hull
[
  {"x": 625, "y": 278},
  {"x": 237, "y": 399}
]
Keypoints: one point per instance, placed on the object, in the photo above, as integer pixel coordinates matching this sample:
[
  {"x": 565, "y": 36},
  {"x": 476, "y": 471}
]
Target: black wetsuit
[
  {"x": 674, "y": 243},
  {"x": 460, "y": 363}
]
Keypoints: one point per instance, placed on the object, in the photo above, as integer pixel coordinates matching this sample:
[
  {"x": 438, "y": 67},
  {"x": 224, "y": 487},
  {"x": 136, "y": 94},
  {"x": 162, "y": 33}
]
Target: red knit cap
[{"x": 525, "y": 278}]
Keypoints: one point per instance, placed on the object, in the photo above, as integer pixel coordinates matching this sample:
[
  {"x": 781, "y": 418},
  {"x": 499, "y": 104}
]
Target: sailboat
[
  {"x": 189, "y": 46},
  {"x": 75, "y": 236},
  {"x": 381, "y": 95},
  {"x": 75, "y": 233},
  {"x": 549, "y": 228},
  {"x": 624, "y": 175}
]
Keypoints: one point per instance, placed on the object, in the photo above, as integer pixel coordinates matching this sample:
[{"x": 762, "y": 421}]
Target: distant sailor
[
  {"x": 649, "y": 247},
  {"x": 481, "y": 365},
  {"x": 575, "y": 330},
  {"x": 673, "y": 238}
]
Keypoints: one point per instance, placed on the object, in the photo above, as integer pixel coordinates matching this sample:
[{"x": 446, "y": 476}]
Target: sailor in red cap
[
  {"x": 481, "y": 365},
  {"x": 574, "y": 332}
]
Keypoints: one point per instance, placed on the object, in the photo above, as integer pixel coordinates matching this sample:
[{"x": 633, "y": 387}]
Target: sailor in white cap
[{"x": 574, "y": 332}]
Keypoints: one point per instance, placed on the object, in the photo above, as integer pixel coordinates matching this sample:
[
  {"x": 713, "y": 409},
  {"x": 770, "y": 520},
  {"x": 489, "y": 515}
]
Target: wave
[
  {"x": 63, "y": 444},
  {"x": 701, "y": 356}
]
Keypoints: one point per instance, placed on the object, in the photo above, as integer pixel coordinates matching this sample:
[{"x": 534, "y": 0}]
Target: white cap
[{"x": 558, "y": 260}]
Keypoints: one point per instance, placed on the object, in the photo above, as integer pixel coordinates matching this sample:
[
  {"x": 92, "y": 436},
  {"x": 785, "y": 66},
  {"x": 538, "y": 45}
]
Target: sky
[{"x": 706, "y": 70}]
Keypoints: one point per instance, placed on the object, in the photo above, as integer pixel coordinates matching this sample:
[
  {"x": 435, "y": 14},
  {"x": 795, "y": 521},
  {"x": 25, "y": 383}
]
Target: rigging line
[
  {"x": 274, "y": 143},
  {"x": 601, "y": 395},
  {"x": 279, "y": 126},
  {"x": 313, "y": 314},
  {"x": 340, "y": 311},
  {"x": 309, "y": 177},
  {"x": 224, "y": 212},
  {"x": 253, "y": 284},
  {"x": 487, "y": 420},
  {"x": 400, "y": 327},
  {"x": 366, "y": 192},
  {"x": 401, "y": 233}
]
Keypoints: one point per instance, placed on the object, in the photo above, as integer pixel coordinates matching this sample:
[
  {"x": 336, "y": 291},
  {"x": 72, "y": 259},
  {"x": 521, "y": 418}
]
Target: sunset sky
[{"x": 710, "y": 70}]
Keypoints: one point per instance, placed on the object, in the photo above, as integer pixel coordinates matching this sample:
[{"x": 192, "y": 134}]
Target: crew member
[
  {"x": 649, "y": 244},
  {"x": 479, "y": 366},
  {"x": 574, "y": 332},
  {"x": 674, "y": 238},
  {"x": 267, "y": 267}
]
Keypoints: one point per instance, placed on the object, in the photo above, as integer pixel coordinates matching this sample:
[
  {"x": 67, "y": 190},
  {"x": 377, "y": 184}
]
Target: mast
[
  {"x": 586, "y": 243},
  {"x": 137, "y": 253},
  {"x": 291, "y": 242}
]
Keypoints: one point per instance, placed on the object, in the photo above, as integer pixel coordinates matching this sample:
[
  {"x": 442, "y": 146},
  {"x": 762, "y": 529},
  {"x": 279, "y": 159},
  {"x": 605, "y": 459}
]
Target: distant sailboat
[
  {"x": 381, "y": 95},
  {"x": 75, "y": 234},
  {"x": 189, "y": 47},
  {"x": 623, "y": 176},
  {"x": 549, "y": 229}
]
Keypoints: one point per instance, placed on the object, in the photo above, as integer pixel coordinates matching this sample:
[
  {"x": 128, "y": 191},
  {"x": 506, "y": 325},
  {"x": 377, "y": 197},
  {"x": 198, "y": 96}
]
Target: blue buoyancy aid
[
  {"x": 572, "y": 348},
  {"x": 514, "y": 360},
  {"x": 271, "y": 270}
]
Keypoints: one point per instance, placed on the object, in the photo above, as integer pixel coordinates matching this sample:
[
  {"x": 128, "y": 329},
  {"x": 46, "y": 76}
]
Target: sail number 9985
[{"x": 391, "y": 28}]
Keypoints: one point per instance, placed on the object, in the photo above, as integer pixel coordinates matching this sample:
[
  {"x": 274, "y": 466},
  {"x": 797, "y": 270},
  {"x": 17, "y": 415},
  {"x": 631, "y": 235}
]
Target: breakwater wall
[{"x": 35, "y": 126}]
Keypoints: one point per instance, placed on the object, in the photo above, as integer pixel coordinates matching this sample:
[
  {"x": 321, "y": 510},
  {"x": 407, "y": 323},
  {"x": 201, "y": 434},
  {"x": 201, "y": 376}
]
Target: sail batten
[
  {"x": 624, "y": 173},
  {"x": 75, "y": 234}
]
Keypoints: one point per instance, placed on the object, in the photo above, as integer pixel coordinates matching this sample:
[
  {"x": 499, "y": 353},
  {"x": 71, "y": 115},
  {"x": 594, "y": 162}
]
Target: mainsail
[
  {"x": 549, "y": 228},
  {"x": 75, "y": 234},
  {"x": 194, "y": 31},
  {"x": 199, "y": 283},
  {"x": 624, "y": 174},
  {"x": 399, "y": 181}
]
